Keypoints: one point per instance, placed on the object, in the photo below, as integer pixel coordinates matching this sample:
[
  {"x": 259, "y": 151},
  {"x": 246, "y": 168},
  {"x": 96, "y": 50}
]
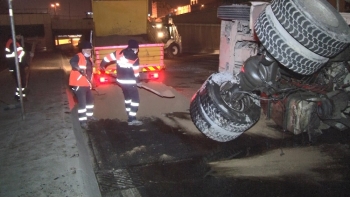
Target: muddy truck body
[{"x": 285, "y": 60}]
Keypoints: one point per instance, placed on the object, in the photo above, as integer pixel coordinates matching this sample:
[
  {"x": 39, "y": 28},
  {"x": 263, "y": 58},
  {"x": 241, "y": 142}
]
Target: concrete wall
[
  {"x": 200, "y": 17},
  {"x": 199, "y": 38},
  {"x": 74, "y": 24},
  {"x": 33, "y": 19},
  {"x": 200, "y": 31}
]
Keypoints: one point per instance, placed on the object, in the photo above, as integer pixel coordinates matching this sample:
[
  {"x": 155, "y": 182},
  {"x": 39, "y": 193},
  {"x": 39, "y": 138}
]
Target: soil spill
[{"x": 159, "y": 160}]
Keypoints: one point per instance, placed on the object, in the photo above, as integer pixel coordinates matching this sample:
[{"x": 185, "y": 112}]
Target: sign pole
[{"x": 19, "y": 82}]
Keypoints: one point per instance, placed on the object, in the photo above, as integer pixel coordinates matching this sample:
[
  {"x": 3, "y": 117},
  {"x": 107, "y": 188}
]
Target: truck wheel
[
  {"x": 173, "y": 50},
  {"x": 284, "y": 48},
  {"x": 316, "y": 24},
  {"x": 223, "y": 115}
]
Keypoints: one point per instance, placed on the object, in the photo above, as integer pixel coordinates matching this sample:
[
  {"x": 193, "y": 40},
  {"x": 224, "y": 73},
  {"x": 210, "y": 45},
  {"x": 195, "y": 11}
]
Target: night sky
[
  {"x": 70, "y": 7},
  {"x": 66, "y": 8}
]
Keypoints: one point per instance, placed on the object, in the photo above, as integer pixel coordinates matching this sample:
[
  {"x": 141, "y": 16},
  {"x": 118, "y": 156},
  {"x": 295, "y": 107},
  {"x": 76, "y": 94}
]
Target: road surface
[{"x": 168, "y": 156}]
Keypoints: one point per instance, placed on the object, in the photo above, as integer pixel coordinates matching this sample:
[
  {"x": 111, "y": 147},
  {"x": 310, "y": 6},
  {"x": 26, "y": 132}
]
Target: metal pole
[
  {"x": 19, "y": 82},
  {"x": 338, "y": 5},
  {"x": 69, "y": 9}
]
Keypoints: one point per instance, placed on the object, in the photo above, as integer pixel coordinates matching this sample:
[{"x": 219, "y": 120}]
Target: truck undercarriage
[{"x": 290, "y": 64}]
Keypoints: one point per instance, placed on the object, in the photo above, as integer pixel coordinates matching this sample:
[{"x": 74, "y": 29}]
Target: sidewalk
[{"x": 44, "y": 152}]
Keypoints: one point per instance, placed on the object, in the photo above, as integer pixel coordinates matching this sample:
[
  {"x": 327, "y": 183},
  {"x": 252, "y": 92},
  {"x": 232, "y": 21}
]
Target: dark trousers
[
  {"x": 85, "y": 102},
  {"x": 23, "y": 78},
  {"x": 131, "y": 99}
]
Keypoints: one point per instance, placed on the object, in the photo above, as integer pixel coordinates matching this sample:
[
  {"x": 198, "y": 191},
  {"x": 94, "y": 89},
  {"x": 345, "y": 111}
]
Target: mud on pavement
[
  {"x": 157, "y": 159},
  {"x": 168, "y": 156}
]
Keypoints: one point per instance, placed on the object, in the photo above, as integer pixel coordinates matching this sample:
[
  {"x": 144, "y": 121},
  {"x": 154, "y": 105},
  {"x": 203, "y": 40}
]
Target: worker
[
  {"x": 80, "y": 80},
  {"x": 127, "y": 63},
  {"x": 11, "y": 63}
]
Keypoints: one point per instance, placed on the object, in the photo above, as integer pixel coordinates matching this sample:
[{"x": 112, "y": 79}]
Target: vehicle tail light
[
  {"x": 154, "y": 75},
  {"x": 103, "y": 80}
]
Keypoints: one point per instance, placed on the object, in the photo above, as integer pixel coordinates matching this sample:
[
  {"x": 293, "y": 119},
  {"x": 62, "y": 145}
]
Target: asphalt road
[{"x": 168, "y": 156}]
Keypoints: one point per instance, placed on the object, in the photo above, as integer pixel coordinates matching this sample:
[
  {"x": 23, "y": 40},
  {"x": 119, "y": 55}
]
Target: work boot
[
  {"x": 135, "y": 122},
  {"x": 84, "y": 125}
]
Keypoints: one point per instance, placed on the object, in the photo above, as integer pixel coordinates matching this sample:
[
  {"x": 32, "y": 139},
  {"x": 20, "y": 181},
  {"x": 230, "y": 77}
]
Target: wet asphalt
[{"x": 158, "y": 160}]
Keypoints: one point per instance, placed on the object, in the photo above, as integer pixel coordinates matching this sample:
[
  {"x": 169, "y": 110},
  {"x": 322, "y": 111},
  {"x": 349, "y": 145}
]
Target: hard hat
[{"x": 86, "y": 45}]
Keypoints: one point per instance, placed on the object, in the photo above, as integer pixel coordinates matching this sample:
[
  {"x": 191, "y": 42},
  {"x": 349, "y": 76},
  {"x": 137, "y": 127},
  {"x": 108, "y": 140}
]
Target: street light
[{"x": 54, "y": 6}]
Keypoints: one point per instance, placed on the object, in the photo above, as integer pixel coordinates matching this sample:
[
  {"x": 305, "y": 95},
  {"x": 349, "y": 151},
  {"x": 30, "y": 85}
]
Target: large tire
[
  {"x": 316, "y": 24},
  {"x": 284, "y": 48},
  {"x": 173, "y": 50},
  {"x": 217, "y": 117}
]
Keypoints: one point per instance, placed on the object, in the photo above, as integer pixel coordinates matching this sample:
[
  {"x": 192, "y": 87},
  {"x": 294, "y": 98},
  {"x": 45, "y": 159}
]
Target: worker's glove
[{"x": 82, "y": 71}]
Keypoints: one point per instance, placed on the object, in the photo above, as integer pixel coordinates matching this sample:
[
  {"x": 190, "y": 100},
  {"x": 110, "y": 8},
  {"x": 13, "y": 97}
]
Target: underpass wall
[
  {"x": 25, "y": 24},
  {"x": 73, "y": 24}
]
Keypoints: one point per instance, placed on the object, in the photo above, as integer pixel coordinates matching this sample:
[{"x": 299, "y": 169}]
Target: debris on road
[{"x": 154, "y": 87}]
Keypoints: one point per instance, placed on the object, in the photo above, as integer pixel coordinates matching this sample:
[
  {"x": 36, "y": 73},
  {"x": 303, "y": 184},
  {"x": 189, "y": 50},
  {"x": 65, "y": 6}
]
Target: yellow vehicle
[
  {"x": 115, "y": 22},
  {"x": 166, "y": 32},
  {"x": 151, "y": 62}
]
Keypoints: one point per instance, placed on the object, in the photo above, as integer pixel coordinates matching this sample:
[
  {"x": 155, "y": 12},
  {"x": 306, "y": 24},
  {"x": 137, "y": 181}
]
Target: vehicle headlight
[
  {"x": 160, "y": 34},
  {"x": 159, "y": 25}
]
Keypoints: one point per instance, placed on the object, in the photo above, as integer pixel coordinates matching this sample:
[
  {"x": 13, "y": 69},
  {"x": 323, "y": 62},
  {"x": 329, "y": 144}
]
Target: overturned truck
[{"x": 288, "y": 59}]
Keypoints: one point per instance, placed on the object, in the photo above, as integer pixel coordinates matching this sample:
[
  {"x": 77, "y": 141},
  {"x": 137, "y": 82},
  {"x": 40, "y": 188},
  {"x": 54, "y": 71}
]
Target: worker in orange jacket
[
  {"x": 80, "y": 80},
  {"x": 127, "y": 62},
  {"x": 11, "y": 63}
]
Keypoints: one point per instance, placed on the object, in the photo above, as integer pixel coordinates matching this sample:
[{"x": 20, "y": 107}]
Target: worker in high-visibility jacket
[
  {"x": 11, "y": 63},
  {"x": 80, "y": 80},
  {"x": 127, "y": 63}
]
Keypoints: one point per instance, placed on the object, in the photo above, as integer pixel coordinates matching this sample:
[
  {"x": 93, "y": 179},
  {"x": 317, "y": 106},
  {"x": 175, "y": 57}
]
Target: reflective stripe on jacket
[
  {"x": 10, "y": 52},
  {"x": 75, "y": 77},
  {"x": 127, "y": 70}
]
